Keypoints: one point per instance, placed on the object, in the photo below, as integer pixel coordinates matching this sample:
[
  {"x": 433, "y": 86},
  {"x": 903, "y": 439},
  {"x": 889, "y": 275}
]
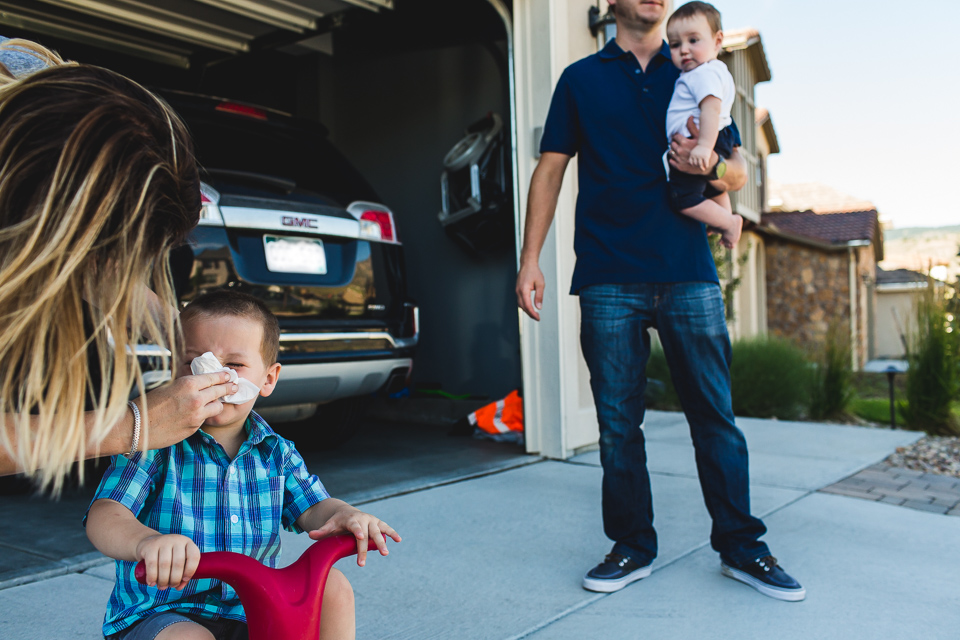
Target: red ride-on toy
[{"x": 281, "y": 604}]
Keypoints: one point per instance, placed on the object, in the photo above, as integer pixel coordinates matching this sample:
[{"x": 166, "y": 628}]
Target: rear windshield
[{"x": 282, "y": 150}]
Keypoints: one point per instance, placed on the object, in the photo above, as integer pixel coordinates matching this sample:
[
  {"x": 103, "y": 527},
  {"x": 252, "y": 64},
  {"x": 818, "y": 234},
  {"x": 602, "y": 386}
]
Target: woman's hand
[
  {"x": 363, "y": 526},
  {"x": 178, "y": 409}
]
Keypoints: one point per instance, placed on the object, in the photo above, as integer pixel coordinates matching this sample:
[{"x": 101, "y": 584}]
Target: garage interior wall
[{"x": 395, "y": 118}]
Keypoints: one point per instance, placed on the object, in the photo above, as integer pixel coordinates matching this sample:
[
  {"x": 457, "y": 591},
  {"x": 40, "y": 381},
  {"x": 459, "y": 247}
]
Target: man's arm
[
  {"x": 541, "y": 207},
  {"x": 733, "y": 180}
]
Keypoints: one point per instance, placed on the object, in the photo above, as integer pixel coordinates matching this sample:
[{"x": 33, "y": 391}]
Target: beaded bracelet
[{"x": 136, "y": 428}]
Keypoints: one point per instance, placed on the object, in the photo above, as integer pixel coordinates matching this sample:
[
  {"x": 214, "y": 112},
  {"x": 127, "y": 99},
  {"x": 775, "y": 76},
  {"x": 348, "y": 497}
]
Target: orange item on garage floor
[{"x": 501, "y": 417}]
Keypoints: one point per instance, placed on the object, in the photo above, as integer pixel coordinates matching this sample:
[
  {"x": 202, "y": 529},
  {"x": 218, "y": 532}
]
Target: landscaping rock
[{"x": 931, "y": 454}]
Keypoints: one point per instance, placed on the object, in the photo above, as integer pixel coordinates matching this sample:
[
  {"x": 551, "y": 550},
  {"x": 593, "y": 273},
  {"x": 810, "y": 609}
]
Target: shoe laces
[
  {"x": 767, "y": 563},
  {"x": 617, "y": 559}
]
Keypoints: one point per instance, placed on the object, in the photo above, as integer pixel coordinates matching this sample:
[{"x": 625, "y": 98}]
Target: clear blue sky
[{"x": 865, "y": 97}]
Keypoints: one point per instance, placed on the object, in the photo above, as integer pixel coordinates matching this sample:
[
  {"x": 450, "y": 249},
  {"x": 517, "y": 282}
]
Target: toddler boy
[{"x": 228, "y": 487}]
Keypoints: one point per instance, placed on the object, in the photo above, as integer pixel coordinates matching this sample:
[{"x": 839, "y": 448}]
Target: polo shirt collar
[{"x": 613, "y": 51}]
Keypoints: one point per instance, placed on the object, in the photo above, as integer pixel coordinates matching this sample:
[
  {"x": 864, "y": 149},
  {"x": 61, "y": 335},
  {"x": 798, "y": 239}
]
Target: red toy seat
[{"x": 281, "y": 604}]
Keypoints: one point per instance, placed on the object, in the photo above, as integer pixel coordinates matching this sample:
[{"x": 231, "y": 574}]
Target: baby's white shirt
[{"x": 709, "y": 79}]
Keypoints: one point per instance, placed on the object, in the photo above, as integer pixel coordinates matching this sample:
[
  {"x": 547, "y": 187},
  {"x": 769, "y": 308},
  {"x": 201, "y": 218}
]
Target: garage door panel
[
  {"x": 178, "y": 19},
  {"x": 25, "y": 15}
]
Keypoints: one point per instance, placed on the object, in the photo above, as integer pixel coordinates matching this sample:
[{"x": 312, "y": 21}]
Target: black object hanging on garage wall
[{"x": 475, "y": 189}]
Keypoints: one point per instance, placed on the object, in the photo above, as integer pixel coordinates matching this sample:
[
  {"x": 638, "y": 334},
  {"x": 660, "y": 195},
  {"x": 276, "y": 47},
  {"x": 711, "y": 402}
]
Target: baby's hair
[
  {"x": 224, "y": 303},
  {"x": 705, "y": 9}
]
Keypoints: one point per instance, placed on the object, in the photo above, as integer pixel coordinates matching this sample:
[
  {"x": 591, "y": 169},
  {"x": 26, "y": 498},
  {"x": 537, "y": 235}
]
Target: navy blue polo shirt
[{"x": 612, "y": 113}]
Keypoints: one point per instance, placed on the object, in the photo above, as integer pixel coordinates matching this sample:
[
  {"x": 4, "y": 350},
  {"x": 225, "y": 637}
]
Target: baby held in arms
[{"x": 704, "y": 90}]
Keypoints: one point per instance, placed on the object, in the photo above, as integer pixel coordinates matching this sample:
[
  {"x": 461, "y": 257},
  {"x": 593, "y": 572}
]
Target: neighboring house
[
  {"x": 898, "y": 292},
  {"x": 744, "y": 55},
  {"x": 821, "y": 269}
]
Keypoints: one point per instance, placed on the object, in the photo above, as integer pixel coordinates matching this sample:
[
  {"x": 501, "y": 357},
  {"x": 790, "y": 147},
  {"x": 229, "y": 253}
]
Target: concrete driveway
[{"x": 501, "y": 555}]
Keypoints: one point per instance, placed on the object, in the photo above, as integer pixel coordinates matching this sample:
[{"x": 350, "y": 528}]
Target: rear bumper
[{"x": 327, "y": 381}]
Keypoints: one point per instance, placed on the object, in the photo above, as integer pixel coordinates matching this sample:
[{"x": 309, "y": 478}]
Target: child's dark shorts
[
  {"x": 150, "y": 627},
  {"x": 688, "y": 190}
]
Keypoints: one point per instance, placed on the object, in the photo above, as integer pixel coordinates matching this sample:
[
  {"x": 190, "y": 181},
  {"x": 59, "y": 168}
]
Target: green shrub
[
  {"x": 831, "y": 388},
  {"x": 932, "y": 380},
  {"x": 769, "y": 378},
  {"x": 660, "y": 397}
]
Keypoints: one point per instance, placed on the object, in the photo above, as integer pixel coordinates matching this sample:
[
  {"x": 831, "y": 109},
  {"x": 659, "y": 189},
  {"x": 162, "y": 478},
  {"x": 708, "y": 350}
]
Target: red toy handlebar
[{"x": 279, "y": 603}]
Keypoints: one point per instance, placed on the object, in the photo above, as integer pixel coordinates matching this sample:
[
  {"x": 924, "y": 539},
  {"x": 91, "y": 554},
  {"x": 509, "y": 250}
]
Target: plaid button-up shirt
[{"x": 194, "y": 489}]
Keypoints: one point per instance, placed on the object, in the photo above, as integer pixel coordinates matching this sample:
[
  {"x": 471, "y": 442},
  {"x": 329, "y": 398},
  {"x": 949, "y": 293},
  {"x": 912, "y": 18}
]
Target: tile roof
[
  {"x": 899, "y": 276},
  {"x": 832, "y": 228}
]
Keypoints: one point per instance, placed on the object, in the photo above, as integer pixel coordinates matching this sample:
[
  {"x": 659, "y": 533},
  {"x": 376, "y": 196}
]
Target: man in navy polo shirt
[{"x": 640, "y": 265}]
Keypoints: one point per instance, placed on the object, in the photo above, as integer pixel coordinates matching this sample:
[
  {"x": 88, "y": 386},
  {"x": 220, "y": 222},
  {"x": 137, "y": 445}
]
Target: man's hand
[
  {"x": 681, "y": 148},
  {"x": 530, "y": 281},
  {"x": 364, "y": 528},
  {"x": 171, "y": 560}
]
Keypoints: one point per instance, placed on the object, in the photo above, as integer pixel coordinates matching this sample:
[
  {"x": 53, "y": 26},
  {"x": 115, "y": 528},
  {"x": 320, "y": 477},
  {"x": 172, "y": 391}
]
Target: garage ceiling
[{"x": 175, "y": 31}]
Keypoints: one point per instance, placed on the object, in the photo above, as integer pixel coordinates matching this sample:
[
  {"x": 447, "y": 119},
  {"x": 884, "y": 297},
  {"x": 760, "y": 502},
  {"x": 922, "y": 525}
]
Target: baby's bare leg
[
  {"x": 718, "y": 213},
  {"x": 338, "y": 616},
  {"x": 711, "y": 213},
  {"x": 724, "y": 201},
  {"x": 185, "y": 631}
]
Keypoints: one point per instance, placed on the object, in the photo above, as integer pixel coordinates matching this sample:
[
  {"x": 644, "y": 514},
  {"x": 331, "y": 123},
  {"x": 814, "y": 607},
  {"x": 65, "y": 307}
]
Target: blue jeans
[{"x": 689, "y": 318}]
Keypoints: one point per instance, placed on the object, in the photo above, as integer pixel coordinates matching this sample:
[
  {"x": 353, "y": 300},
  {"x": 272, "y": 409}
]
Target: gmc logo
[{"x": 290, "y": 221}]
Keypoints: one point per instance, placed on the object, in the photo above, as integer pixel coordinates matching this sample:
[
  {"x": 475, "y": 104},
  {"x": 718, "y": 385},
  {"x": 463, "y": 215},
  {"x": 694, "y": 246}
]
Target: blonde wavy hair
[{"x": 98, "y": 182}]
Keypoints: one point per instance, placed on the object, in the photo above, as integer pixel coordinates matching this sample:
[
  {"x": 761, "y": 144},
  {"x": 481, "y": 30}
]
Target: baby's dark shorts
[{"x": 687, "y": 190}]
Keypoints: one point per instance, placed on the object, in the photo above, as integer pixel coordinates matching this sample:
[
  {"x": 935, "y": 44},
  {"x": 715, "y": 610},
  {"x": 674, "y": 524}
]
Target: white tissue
[{"x": 208, "y": 363}]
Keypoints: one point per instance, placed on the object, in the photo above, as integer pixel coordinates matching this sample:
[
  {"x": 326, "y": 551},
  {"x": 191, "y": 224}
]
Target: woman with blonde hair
[{"x": 98, "y": 182}]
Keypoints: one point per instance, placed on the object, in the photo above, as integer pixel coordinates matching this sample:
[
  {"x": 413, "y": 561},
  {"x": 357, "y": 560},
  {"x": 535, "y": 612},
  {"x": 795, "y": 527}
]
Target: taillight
[
  {"x": 242, "y": 110},
  {"x": 384, "y": 225},
  {"x": 412, "y": 319},
  {"x": 376, "y": 221},
  {"x": 209, "y": 207}
]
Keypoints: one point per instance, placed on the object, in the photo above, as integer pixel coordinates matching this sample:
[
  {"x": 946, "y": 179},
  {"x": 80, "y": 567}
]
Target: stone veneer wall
[{"x": 806, "y": 289}]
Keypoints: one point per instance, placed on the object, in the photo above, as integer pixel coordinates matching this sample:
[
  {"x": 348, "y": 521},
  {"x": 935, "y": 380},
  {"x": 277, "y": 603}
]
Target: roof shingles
[{"x": 831, "y": 228}]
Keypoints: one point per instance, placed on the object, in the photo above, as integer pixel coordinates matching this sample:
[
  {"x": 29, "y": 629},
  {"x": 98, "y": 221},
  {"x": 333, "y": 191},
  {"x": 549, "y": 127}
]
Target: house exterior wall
[
  {"x": 896, "y": 315},
  {"x": 746, "y": 202},
  {"x": 866, "y": 303},
  {"x": 808, "y": 288},
  {"x": 750, "y": 298},
  {"x": 558, "y": 407}
]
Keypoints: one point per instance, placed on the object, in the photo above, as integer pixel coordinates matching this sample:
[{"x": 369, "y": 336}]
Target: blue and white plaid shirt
[{"x": 194, "y": 489}]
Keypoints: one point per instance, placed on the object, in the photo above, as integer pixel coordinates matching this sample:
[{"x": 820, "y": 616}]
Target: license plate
[{"x": 294, "y": 255}]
